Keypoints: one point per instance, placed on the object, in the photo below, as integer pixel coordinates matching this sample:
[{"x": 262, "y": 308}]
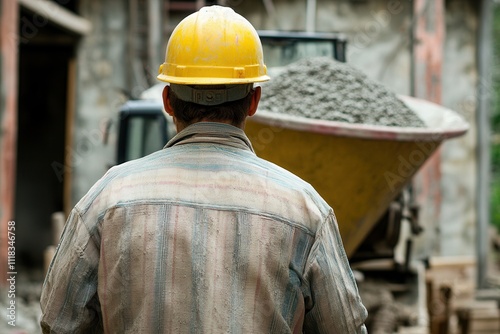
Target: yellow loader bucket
[{"x": 358, "y": 169}]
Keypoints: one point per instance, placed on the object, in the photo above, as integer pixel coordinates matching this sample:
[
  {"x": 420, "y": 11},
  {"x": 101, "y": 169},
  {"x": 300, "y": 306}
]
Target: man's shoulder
[
  {"x": 117, "y": 179},
  {"x": 282, "y": 174},
  {"x": 293, "y": 183}
]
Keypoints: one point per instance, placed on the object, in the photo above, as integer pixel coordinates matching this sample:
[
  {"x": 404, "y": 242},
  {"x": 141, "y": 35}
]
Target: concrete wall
[
  {"x": 378, "y": 32},
  {"x": 460, "y": 80},
  {"x": 103, "y": 70},
  {"x": 379, "y": 44}
]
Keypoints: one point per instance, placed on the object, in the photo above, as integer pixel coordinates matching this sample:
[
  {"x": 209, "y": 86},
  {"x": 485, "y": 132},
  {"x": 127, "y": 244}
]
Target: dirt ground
[{"x": 28, "y": 286}]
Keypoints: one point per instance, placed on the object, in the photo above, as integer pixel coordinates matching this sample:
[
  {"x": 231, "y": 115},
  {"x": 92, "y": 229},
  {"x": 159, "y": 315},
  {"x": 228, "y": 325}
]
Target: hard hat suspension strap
[{"x": 210, "y": 95}]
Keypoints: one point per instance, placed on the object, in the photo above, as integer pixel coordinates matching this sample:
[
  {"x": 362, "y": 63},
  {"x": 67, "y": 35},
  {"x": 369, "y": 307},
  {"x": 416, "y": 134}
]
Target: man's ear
[
  {"x": 166, "y": 101},
  {"x": 254, "y": 103}
]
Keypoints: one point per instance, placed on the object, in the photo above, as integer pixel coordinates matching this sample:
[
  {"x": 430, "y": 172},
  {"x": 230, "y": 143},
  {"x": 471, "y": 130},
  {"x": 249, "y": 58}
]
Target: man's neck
[{"x": 181, "y": 126}]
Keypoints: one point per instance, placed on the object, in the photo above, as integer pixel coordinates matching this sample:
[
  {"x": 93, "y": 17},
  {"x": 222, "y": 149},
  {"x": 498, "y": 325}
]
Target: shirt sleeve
[
  {"x": 333, "y": 304},
  {"x": 69, "y": 300}
]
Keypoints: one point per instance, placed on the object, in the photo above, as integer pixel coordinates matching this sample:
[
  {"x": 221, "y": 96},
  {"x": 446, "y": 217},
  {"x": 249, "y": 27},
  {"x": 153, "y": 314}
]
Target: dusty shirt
[{"x": 202, "y": 236}]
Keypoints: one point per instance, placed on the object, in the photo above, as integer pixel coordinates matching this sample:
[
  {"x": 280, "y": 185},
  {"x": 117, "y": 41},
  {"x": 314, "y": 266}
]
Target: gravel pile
[{"x": 323, "y": 88}]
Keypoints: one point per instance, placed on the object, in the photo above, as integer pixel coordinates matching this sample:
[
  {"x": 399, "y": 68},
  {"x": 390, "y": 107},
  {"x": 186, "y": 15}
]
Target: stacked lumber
[
  {"x": 480, "y": 317},
  {"x": 451, "y": 284},
  {"x": 413, "y": 330}
]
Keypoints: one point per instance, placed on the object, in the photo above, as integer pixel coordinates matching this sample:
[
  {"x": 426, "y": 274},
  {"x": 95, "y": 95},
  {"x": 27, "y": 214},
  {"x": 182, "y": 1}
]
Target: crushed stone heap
[{"x": 323, "y": 88}]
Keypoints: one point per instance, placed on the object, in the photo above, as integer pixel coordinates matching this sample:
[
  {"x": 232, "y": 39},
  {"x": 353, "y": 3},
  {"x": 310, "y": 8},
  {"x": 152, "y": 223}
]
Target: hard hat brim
[{"x": 210, "y": 81}]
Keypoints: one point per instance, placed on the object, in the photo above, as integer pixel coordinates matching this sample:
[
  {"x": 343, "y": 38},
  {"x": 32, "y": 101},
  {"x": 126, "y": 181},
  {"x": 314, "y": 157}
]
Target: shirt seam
[
  {"x": 210, "y": 206},
  {"x": 317, "y": 237},
  {"x": 90, "y": 231}
]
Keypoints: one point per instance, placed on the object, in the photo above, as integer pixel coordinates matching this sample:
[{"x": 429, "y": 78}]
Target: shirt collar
[{"x": 213, "y": 133}]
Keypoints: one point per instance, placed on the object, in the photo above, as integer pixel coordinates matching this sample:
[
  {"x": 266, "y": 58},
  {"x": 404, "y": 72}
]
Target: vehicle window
[
  {"x": 145, "y": 136},
  {"x": 281, "y": 53}
]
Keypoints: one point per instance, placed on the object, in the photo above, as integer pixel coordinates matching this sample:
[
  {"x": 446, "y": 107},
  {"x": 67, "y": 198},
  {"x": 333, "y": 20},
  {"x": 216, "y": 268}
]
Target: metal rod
[
  {"x": 311, "y": 15},
  {"x": 154, "y": 36},
  {"x": 132, "y": 11},
  {"x": 483, "y": 138},
  {"x": 299, "y": 35}
]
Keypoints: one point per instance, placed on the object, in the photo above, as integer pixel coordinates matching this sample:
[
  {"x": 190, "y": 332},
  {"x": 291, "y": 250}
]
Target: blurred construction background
[{"x": 67, "y": 66}]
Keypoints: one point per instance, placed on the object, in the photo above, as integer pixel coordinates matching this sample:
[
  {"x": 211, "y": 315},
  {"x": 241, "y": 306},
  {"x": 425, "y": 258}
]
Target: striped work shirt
[{"x": 201, "y": 237}]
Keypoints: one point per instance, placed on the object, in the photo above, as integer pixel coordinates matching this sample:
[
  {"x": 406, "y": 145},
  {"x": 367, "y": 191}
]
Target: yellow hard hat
[{"x": 211, "y": 47}]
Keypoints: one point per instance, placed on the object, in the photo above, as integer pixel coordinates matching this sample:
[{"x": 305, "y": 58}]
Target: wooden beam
[
  {"x": 428, "y": 48},
  {"x": 155, "y": 44},
  {"x": 9, "y": 13},
  {"x": 70, "y": 121},
  {"x": 58, "y": 15},
  {"x": 429, "y": 31}
]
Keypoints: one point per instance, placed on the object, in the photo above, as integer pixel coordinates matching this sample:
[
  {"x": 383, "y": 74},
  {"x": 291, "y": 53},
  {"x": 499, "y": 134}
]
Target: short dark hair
[{"x": 189, "y": 112}]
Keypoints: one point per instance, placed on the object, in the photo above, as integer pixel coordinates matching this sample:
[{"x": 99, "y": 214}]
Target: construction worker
[{"x": 203, "y": 236}]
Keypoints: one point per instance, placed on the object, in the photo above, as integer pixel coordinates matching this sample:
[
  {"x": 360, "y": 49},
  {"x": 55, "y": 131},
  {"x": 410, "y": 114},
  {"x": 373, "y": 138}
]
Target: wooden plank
[
  {"x": 413, "y": 330},
  {"x": 479, "y": 317},
  {"x": 488, "y": 294},
  {"x": 452, "y": 261},
  {"x": 490, "y": 325},
  {"x": 58, "y": 15},
  {"x": 488, "y": 314},
  {"x": 478, "y": 305},
  {"x": 58, "y": 219},
  {"x": 70, "y": 121},
  {"x": 457, "y": 272},
  {"x": 9, "y": 17},
  {"x": 48, "y": 254}
]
